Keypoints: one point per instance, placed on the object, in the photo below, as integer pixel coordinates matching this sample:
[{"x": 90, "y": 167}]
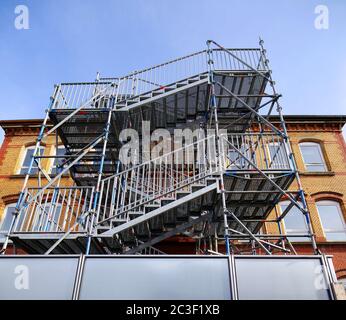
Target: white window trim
[
  {"x": 24, "y": 156},
  {"x": 315, "y": 163},
  {"x": 337, "y": 205}
]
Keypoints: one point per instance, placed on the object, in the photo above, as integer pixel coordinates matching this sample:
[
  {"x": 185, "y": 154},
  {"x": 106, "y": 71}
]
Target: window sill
[{"x": 317, "y": 173}]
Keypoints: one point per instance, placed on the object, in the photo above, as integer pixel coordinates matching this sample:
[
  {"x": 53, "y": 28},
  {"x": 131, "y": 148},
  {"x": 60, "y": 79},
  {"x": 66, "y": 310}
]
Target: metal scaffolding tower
[{"x": 219, "y": 188}]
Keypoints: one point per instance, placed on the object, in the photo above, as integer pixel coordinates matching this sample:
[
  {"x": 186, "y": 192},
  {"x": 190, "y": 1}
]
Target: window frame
[
  {"x": 287, "y": 231},
  {"x": 341, "y": 216},
  {"x": 25, "y": 153},
  {"x": 3, "y": 218},
  {"x": 281, "y": 153},
  {"x": 321, "y": 153}
]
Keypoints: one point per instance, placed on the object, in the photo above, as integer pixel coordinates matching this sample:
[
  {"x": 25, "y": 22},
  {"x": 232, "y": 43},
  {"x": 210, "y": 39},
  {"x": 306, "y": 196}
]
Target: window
[
  {"x": 278, "y": 156},
  {"x": 5, "y": 222},
  {"x": 61, "y": 151},
  {"x": 294, "y": 222},
  {"x": 332, "y": 220},
  {"x": 312, "y": 157},
  {"x": 27, "y": 159}
]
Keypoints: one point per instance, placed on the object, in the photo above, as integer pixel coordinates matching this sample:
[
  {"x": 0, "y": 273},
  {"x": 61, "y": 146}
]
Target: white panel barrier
[
  {"x": 166, "y": 278},
  {"x": 281, "y": 279},
  {"x": 156, "y": 278},
  {"x": 37, "y": 277}
]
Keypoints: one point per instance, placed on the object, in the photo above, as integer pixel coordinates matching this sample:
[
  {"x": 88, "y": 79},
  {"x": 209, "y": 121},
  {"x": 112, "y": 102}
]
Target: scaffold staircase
[{"x": 236, "y": 176}]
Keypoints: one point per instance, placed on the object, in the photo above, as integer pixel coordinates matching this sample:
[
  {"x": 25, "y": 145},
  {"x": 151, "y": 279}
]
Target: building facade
[{"x": 320, "y": 153}]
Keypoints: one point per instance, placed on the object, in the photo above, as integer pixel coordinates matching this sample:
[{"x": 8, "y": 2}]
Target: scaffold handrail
[
  {"x": 157, "y": 179},
  {"x": 267, "y": 151},
  {"x": 54, "y": 210},
  {"x": 99, "y": 94}
]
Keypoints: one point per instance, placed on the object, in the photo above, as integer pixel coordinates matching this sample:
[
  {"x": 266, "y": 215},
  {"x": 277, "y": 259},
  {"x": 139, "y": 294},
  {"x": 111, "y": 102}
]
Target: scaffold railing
[
  {"x": 102, "y": 93},
  {"x": 55, "y": 210},
  {"x": 127, "y": 192},
  {"x": 267, "y": 151}
]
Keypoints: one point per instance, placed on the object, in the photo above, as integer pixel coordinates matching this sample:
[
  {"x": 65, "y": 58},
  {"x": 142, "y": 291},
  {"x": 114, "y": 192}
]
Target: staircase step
[
  {"x": 181, "y": 84},
  {"x": 135, "y": 214},
  {"x": 102, "y": 228},
  {"x": 196, "y": 187},
  {"x": 156, "y": 93},
  {"x": 167, "y": 89},
  {"x": 129, "y": 102},
  {"x": 141, "y": 98},
  {"x": 210, "y": 181},
  {"x": 181, "y": 194},
  {"x": 166, "y": 201},
  {"x": 151, "y": 207},
  {"x": 119, "y": 221}
]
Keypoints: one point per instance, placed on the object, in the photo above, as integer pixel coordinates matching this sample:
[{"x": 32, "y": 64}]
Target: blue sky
[{"x": 69, "y": 40}]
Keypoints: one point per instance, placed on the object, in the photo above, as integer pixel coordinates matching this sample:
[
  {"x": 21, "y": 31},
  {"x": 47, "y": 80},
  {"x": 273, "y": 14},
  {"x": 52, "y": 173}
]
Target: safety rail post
[
  {"x": 100, "y": 172},
  {"x": 213, "y": 107}
]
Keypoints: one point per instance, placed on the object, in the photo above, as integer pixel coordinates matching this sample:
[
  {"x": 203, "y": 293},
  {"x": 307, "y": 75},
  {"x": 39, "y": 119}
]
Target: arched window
[
  {"x": 29, "y": 151},
  {"x": 312, "y": 157},
  {"x": 332, "y": 220},
  {"x": 294, "y": 222}
]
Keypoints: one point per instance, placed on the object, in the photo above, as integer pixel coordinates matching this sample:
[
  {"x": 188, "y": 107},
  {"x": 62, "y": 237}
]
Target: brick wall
[
  {"x": 11, "y": 156},
  {"x": 330, "y": 185}
]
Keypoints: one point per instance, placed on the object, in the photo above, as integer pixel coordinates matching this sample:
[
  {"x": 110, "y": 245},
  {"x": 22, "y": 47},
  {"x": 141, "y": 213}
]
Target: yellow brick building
[{"x": 323, "y": 182}]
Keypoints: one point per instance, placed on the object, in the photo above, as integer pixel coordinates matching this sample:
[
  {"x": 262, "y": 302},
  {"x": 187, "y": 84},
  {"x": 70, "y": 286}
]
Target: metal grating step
[{"x": 40, "y": 243}]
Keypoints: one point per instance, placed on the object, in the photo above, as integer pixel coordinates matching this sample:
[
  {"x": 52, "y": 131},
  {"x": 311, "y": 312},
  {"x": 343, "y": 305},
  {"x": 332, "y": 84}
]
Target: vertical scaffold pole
[
  {"x": 99, "y": 175},
  {"x": 213, "y": 107},
  {"x": 306, "y": 212},
  {"x": 27, "y": 176}
]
